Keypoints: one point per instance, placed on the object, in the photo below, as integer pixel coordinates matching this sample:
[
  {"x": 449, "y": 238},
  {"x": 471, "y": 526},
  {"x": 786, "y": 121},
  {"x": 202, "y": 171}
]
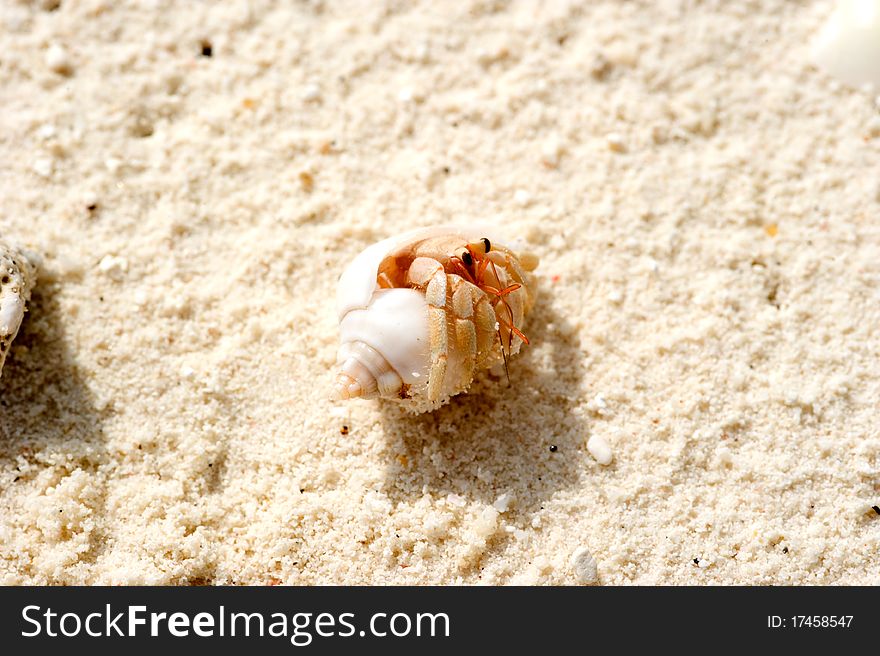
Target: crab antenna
[
  {"x": 501, "y": 294},
  {"x": 504, "y": 356}
]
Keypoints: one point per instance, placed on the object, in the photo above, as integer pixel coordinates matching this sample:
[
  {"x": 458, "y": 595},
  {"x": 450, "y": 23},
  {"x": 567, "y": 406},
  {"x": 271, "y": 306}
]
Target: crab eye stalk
[{"x": 486, "y": 243}]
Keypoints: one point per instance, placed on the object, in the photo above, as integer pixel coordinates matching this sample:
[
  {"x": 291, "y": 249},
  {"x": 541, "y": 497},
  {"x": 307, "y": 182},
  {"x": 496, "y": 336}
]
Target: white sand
[{"x": 705, "y": 204}]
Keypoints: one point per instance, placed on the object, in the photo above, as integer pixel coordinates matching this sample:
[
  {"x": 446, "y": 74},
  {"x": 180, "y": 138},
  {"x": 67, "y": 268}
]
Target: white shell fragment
[
  {"x": 17, "y": 277},
  {"x": 600, "y": 449},
  {"x": 848, "y": 46},
  {"x": 502, "y": 503},
  {"x": 57, "y": 60},
  {"x": 615, "y": 142},
  {"x": 584, "y": 566}
]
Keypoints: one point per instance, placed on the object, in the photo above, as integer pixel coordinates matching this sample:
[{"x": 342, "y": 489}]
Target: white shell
[
  {"x": 396, "y": 325},
  {"x": 17, "y": 277},
  {"x": 848, "y": 46}
]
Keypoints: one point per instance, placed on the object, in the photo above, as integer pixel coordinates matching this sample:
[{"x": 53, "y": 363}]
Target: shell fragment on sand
[
  {"x": 848, "y": 46},
  {"x": 584, "y": 566},
  {"x": 600, "y": 449},
  {"x": 17, "y": 277}
]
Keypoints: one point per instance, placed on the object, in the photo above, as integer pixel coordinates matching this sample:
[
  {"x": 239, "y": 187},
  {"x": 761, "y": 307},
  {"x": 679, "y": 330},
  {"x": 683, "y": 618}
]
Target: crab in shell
[{"x": 421, "y": 313}]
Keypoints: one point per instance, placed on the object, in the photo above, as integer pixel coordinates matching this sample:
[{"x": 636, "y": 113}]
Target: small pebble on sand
[
  {"x": 486, "y": 523},
  {"x": 58, "y": 61},
  {"x": 600, "y": 67},
  {"x": 113, "y": 165},
  {"x": 600, "y": 449},
  {"x": 113, "y": 266},
  {"x": 502, "y": 503},
  {"x": 44, "y": 167},
  {"x": 47, "y": 131},
  {"x": 455, "y": 500},
  {"x": 521, "y": 197},
  {"x": 90, "y": 200},
  {"x": 659, "y": 134},
  {"x": 311, "y": 93},
  {"x": 306, "y": 181},
  {"x": 550, "y": 153},
  {"x": 615, "y": 142},
  {"x": 584, "y": 565}
]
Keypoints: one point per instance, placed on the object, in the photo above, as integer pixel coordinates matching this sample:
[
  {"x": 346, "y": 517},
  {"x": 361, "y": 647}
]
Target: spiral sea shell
[
  {"x": 848, "y": 46},
  {"x": 422, "y": 312},
  {"x": 17, "y": 277}
]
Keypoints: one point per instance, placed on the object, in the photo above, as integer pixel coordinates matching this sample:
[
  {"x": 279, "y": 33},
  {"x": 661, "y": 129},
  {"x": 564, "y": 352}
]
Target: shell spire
[{"x": 346, "y": 386}]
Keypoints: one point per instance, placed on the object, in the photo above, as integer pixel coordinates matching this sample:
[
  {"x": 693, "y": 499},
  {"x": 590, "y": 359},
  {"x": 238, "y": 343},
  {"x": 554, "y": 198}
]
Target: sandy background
[{"x": 705, "y": 203}]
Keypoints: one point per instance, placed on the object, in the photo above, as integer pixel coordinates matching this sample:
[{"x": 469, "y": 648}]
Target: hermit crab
[{"x": 422, "y": 312}]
